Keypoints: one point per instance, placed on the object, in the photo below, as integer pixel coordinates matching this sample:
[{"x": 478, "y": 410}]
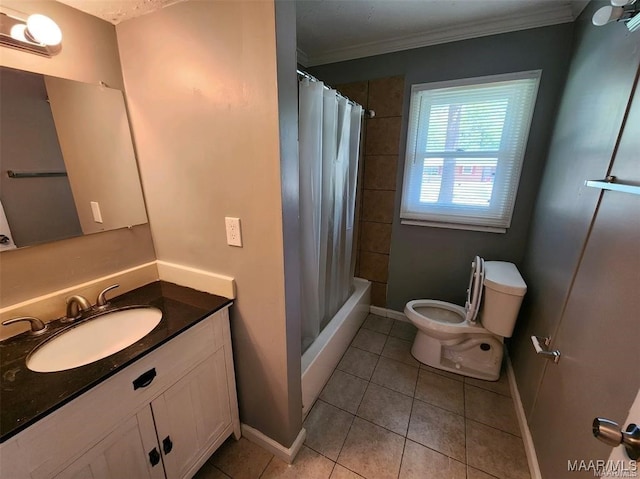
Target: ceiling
[
  {"x": 116, "y": 11},
  {"x": 336, "y": 30}
]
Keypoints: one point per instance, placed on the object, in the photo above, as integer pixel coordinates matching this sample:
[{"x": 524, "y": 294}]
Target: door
[
  {"x": 192, "y": 414},
  {"x": 598, "y": 373},
  {"x": 129, "y": 451}
]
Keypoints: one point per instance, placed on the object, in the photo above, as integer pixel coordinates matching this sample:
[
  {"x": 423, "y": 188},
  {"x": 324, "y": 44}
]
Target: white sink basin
[{"x": 94, "y": 339}]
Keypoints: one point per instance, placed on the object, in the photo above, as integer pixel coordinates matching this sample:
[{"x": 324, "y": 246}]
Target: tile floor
[{"x": 384, "y": 415}]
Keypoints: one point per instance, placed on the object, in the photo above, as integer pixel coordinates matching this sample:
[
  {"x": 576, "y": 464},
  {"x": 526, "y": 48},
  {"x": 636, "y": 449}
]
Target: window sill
[{"x": 454, "y": 226}]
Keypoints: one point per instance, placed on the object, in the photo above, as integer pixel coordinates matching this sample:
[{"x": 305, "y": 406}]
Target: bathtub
[{"x": 323, "y": 355}]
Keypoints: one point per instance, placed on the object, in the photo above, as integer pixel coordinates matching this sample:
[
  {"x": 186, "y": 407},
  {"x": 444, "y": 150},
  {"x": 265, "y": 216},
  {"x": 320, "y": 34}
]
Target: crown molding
[
  {"x": 550, "y": 15},
  {"x": 302, "y": 57}
]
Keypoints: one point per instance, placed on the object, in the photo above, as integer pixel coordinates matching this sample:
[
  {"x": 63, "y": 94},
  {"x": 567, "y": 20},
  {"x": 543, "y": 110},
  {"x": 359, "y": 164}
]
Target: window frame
[{"x": 417, "y": 135}]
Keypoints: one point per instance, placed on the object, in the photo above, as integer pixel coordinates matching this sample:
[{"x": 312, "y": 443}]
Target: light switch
[{"x": 95, "y": 209}]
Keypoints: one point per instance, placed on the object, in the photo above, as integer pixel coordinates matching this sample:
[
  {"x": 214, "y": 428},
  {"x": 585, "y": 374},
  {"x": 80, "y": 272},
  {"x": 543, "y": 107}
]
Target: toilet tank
[{"x": 504, "y": 289}]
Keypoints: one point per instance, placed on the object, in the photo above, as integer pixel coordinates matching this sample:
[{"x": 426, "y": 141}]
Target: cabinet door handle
[
  {"x": 167, "y": 445},
  {"x": 154, "y": 456},
  {"x": 144, "y": 379}
]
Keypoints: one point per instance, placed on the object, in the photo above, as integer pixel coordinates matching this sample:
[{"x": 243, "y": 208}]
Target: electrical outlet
[
  {"x": 95, "y": 209},
  {"x": 234, "y": 234}
]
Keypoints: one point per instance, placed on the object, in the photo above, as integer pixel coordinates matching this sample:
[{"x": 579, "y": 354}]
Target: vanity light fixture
[
  {"x": 37, "y": 34},
  {"x": 627, "y": 11}
]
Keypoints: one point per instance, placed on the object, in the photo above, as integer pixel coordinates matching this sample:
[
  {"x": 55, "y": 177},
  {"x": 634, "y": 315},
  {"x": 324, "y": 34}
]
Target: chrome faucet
[{"x": 76, "y": 306}]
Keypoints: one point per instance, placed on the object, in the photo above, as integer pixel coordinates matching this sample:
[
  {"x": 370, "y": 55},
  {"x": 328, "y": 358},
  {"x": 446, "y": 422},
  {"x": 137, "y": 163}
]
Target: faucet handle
[
  {"x": 37, "y": 326},
  {"x": 102, "y": 299}
]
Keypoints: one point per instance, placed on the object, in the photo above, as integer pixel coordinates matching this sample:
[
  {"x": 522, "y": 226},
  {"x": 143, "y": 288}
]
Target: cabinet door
[
  {"x": 126, "y": 452},
  {"x": 192, "y": 414}
]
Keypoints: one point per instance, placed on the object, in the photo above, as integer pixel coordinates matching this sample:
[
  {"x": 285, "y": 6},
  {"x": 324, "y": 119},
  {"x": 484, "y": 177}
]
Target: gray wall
[
  {"x": 601, "y": 76},
  {"x": 431, "y": 262},
  {"x": 37, "y": 209},
  {"x": 288, "y": 119}
]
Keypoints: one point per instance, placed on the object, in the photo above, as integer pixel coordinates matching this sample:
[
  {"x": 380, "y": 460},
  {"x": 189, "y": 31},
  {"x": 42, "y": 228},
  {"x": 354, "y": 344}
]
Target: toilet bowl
[{"x": 469, "y": 340}]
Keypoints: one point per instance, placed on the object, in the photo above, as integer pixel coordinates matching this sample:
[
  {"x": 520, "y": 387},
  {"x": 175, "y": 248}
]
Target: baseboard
[
  {"x": 388, "y": 313},
  {"x": 275, "y": 448},
  {"x": 53, "y": 305},
  {"x": 529, "y": 448},
  {"x": 197, "y": 279}
]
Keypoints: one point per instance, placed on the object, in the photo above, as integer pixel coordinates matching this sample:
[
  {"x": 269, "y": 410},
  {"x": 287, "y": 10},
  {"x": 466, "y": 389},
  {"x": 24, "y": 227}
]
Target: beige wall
[
  {"x": 90, "y": 54},
  {"x": 202, "y": 94}
]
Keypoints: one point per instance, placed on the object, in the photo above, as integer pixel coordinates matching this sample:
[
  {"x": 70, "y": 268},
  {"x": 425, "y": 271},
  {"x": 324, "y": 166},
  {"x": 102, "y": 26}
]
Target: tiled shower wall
[{"x": 377, "y": 183}]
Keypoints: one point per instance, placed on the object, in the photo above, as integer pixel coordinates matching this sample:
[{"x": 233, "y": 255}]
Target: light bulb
[
  {"x": 606, "y": 14},
  {"x": 17, "y": 32},
  {"x": 43, "y": 30}
]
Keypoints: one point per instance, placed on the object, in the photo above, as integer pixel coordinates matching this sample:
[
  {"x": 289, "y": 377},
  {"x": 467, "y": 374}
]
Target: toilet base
[{"x": 477, "y": 357}]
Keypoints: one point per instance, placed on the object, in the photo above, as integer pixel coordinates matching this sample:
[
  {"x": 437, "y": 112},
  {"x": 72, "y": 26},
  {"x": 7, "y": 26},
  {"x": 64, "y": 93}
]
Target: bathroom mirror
[{"x": 67, "y": 164}]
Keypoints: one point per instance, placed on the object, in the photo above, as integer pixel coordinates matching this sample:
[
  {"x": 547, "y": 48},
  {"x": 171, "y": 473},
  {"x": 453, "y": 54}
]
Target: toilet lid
[{"x": 474, "y": 293}]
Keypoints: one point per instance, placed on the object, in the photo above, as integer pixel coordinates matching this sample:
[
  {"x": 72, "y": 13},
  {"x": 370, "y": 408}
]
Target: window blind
[{"x": 465, "y": 146}]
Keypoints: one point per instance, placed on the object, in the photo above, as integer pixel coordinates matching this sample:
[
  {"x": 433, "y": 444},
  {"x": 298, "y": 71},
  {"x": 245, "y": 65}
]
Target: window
[{"x": 465, "y": 146}]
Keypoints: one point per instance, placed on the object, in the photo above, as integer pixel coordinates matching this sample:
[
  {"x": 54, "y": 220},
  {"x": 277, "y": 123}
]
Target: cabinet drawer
[{"x": 65, "y": 434}]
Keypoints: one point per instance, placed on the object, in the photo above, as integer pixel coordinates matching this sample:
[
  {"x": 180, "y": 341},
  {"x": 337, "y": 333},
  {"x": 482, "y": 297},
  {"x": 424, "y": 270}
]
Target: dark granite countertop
[{"x": 27, "y": 396}]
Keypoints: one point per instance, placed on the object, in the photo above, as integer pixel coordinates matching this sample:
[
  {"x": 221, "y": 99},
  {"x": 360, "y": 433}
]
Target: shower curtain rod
[{"x": 367, "y": 113}]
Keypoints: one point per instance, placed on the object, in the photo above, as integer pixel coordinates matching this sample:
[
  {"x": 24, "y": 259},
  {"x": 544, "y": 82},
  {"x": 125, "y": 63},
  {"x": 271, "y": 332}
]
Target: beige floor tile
[
  {"x": 241, "y": 459},
  {"x": 209, "y": 471},
  {"x": 446, "y": 374},
  {"x": 491, "y": 409},
  {"x": 377, "y": 323},
  {"x": 437, "y": 429},
  {"x": 372, "y": 451},
  {"x": 358, "y": 362},
  {"x": 501, "y": 386},
  {"x": 496, "y": 452},
  {"x": 308, "y": 464},
  {"x": 327, "y": 428},
  {"x": 440, "y": 391},
  {"x": 403, "y": 330},
  {"x": 344, "y": 390},
  {"x": 341, "y": 472},
  {"x": 419, "y": 462},
  {"x": 395, "y": 375},
  {"x": 386, "y": 408},
  {"x": 369, "y": 341},
  {"x": 400, "y": 350},
  {"x": 473, "y": 473}
]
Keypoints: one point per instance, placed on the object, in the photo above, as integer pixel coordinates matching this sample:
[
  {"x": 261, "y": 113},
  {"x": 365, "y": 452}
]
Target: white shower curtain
[{"x": 329, "y": 143}]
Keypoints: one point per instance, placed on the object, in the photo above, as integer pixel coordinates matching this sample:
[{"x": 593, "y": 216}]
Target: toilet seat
[
  {"x": 440, "y": 316},
  {"x": 474, "y": 293},
  {"x": 450, "y": 318}
]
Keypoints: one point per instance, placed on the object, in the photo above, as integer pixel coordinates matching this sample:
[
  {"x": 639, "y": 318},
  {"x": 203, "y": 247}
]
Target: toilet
[{"x": 469, "y": 340}]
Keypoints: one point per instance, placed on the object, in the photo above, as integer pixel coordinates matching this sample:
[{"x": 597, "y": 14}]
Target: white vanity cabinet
[
  {"x": 183, "y": 408},
  {"x": 129, "y": 451}
]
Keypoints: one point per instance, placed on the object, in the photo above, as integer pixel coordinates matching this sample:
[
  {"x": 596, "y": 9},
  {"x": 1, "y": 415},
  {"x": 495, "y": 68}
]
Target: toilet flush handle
[{"x": 543, "y": 349}]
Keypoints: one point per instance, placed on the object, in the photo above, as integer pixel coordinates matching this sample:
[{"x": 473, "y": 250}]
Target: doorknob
[
  {"x": 543, "y": 349},
  {"x": 610, "y": 433}
]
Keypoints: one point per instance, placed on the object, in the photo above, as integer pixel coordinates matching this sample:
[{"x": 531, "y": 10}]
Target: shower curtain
[{"x": 329, "y": 143}]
